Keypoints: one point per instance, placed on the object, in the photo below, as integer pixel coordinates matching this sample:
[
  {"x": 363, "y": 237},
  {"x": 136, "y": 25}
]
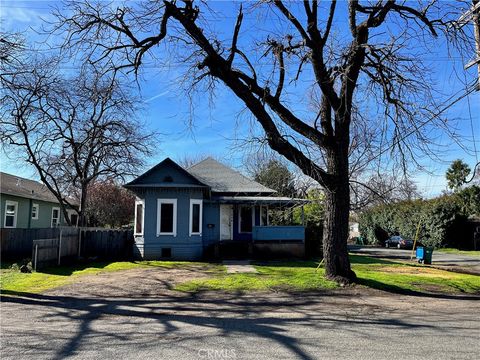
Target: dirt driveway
[
  {"x": 134, "y": 283},
  {"x": 135, "y": 315}
]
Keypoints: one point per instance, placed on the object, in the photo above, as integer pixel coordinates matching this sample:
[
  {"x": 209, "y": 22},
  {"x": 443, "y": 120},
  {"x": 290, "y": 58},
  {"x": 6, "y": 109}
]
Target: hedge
[{"x": 437, "y": 218}]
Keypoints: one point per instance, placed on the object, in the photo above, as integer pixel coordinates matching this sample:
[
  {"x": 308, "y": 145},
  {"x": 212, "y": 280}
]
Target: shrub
[
  {"x": 469, "y": 200},
  {"x": 436, "y": 217}
]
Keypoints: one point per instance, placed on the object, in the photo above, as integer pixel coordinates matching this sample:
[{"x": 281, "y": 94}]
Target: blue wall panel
[
  {"x": 183, "y": 246},
  {"x": 279, "y": 233},
  {"x": 211, "y": 223}
]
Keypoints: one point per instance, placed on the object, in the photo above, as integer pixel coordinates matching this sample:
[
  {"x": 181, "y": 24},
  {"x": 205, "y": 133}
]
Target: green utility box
[
  {"x": 424, "y": 254},
  {"x": 427, "y": 255}
]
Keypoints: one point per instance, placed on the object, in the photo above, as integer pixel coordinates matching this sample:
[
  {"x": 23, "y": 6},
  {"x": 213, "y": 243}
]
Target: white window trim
[
  {"x": 159, "y": 214},
  {"x": 59, "y": 216},
  {"x": 193, "y": 202},
  {"x": 142, "y": 202},
  {"x": 264, "y": 210},
  {"x": 252, "y": 207},
  {"x": 36, "y": 212},
  {"x": 14, "y": 203}
]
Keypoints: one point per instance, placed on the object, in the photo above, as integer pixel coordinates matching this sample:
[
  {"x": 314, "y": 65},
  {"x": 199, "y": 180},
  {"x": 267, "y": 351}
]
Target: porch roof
[{"x": 263, "y": 200}]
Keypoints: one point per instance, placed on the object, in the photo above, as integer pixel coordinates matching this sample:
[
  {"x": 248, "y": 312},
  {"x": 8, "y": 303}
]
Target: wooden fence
[
  {"x": 55, "y": 246},
  {"x": 106, "y": 244},
  {"x": 17, "y": 243},
  {"x": 56, "y": 251}
]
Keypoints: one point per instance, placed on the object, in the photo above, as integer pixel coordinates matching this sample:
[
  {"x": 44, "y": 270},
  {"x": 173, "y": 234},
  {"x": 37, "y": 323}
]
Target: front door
[{"x": 226, "y": 222}]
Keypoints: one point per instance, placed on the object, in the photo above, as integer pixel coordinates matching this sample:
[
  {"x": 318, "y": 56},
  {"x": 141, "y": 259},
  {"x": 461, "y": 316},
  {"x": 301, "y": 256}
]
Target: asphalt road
[
  {"x": 470, "y": 262},
  {"x": 349, "y": 324}
]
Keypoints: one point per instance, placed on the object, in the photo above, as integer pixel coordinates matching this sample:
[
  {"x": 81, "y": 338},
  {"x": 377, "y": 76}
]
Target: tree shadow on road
[{"x": 215, "y": 315}]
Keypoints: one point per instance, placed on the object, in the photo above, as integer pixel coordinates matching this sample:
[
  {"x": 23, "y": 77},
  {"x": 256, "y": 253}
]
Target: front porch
[
  {"x": 251, "y": 219},
  {"x": 258, "y": 227}
]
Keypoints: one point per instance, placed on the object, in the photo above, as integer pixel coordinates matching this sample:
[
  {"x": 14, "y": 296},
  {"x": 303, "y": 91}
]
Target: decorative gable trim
[{"x": 168, "y": 179}]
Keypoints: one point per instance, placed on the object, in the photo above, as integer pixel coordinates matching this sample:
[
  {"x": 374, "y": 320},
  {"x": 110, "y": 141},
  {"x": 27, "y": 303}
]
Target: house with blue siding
[
  {"x": 185, "y": 213},
  {"x": 28, "y": 204}
]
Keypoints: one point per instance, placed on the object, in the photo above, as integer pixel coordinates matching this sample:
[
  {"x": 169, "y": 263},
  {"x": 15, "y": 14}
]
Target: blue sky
[{"x": 216, "y": 124}]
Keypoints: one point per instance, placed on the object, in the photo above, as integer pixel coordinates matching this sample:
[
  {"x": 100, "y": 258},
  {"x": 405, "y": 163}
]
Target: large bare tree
[
  {"x": 72, "y": 129},
  {"x": 366, "y": 87}
]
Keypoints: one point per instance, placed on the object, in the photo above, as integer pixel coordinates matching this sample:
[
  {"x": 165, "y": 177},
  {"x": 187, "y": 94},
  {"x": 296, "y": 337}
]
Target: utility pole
[
  {"x": 476, "y": 26},
  {"x": 473, "y": 14}
]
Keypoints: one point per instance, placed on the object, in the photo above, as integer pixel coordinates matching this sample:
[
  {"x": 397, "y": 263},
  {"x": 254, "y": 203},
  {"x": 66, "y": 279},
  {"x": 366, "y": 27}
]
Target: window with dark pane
[
  {"x": 74, "y": 219},
  {"x": 55, "y": 216},
  {"x": 166, "y": 221},
  {"x": 195, "y": 218},
  {"x": 10, "y": 213},
  {"x": 138, "y": 220},
  {"x": 245, "y": 219}
]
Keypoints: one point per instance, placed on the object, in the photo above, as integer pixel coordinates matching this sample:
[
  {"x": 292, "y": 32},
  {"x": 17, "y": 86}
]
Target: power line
[{"x": 416, "y": 128}]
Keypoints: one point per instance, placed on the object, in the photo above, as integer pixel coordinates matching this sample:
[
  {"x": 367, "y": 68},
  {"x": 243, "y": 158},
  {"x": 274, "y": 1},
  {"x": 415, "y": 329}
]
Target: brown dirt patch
[
  {"x": 423, "y": 271},
  {"x": 141, "y": 282}
]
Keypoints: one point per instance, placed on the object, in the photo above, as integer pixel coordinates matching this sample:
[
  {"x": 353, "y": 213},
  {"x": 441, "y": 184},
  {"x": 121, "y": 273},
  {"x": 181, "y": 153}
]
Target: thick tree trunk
[
  {"x": 335, "y": 234},
  {"x": 82, "y": 220},
  {"x": 335, "y": 230}
]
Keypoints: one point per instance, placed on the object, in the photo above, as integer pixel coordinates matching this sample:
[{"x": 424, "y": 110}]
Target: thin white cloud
[
  {"x": 12, "y": 17},
  {"x": 157, "y": 96}
]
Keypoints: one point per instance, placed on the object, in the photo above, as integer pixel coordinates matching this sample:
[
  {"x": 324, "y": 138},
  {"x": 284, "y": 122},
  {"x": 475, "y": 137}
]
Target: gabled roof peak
[
  {"x": 151, "y": 176},
  {"x": 206, "y": 173}
]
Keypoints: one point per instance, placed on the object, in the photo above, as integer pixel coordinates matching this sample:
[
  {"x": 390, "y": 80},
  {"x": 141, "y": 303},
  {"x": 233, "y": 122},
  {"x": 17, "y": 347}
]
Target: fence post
[
  {"x": 60, "y": 246},
  {"x": 79, "y": 241},
  {"x": 36, "y": 256}
]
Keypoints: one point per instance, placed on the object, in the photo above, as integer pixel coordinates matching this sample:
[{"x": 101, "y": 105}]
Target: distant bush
[
  {"x": 469, "y": 200},
  {"x": 436, "y": 216}
]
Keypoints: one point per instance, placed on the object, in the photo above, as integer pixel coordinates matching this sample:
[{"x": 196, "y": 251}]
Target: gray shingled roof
[
  {"x": 26, "y": 188},
  {"x": 224, "y": 179}
]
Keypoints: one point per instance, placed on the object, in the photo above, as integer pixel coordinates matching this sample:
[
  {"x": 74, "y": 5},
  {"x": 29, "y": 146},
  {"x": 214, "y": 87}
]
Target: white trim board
[
  {"x": 190, "y": 218},
  {"x": 139, "y": 202},
  {"x": 159, "y": 214},
  {"x": 58, "y": 219},
  {"x": 36, "y": 206},
  {"x": 15, "y": 214}
]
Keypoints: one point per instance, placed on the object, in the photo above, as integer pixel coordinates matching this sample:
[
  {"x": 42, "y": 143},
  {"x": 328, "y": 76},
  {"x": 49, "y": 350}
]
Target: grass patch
[
  {"x": 289, "y": 276},
  {"x": 406, "y": 277},
  {"x": 36, "y": 282},
  {"x": 272, "y": 276},
  {"x": 460, "y": 252},
  {"x": 372, "y": 272}
]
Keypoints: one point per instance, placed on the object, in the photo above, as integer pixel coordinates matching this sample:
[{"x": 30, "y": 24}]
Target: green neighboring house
[{"x": 27, "y": 204}]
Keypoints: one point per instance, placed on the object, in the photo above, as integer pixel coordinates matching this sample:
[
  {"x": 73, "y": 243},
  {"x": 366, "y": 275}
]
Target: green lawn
[
  {"x": 411, "y": 277},
  {"x": 371, "y": 272},
  {"x": 271, "y": 276},
  {"x": 36, "y": 282},
  {"x": 460, "y": 252},
  {"x": 286, "y": 276}
]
